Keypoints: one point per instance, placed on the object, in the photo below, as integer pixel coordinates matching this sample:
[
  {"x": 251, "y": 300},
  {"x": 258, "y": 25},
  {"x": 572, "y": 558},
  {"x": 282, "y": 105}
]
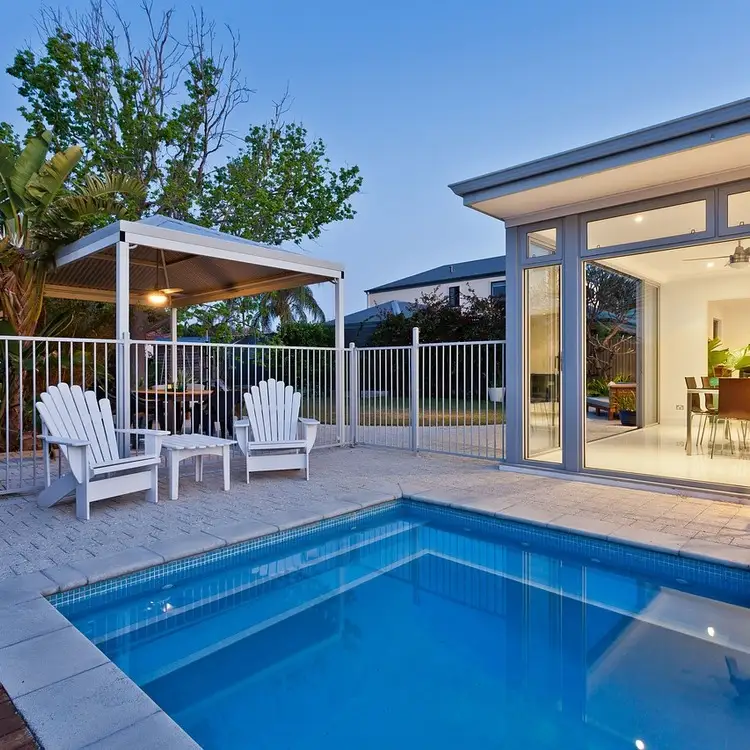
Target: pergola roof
[{"x": 206, "y": 264}]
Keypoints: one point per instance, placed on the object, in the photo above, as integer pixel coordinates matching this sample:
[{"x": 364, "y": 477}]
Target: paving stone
[
  {"x": 66, "y": 576},
  {"x": 242, "y": 531},
  {"x": 25, "y": 587},
  {"x": 292, "y": 518},
  {"x": 121, "y": 563},
  {"x": 21, "y": 621},
  {"x": 703, "y": 549},
  {"x": 648, "y": 538},
  {"x": 155, "y": 732},
  {"x": 529, "y": 514},
  {"x": 85, "y": 708},
  {"x": 593, "y": 527},
  {"x": 185, "y": 545},
  {"x": 484, "y": 504},
  {"x": 38, "y": 662}
]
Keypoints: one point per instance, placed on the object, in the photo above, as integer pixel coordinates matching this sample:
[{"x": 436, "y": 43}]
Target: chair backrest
[
  {"x": 734, "y": 398},
  {"x": 69, "y": 412},
  {"x": 706, "y": 383},
  {"x": 695, "y": 398},
  {"x": 273, "y": 409}
]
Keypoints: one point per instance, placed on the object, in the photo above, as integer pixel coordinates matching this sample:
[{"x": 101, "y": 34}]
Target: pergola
[{"x": 126, "y": 261}]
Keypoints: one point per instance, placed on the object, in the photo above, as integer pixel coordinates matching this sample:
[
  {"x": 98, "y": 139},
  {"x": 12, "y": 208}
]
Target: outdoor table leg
[{"x": 689, "y": 431}]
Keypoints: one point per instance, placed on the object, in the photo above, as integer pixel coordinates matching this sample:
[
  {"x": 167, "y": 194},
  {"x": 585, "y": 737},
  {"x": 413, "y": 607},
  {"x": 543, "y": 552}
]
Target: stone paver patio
[{"x": 32, "y": 539}]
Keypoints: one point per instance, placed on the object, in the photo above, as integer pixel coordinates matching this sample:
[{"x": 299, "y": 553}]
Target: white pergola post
[
  {"x": 340, "y": 359},
  {"x": 173, "y": 333},
  {"x": 122, "y": 334}
]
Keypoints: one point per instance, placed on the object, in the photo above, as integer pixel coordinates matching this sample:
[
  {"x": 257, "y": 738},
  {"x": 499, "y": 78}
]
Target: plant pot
[
  {"x": 627, "y": 418},
  {"x": 496, "y": 395}
]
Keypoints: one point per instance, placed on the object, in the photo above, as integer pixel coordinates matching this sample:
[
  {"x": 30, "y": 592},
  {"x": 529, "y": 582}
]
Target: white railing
[
  {"x": 199, "y": 387},
  {"x": 28, "y": 366},
  {"x": 445, "y": 398}
]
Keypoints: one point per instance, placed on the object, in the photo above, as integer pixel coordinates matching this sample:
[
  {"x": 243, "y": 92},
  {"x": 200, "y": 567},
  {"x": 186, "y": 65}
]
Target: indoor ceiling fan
[
  {"x": 160, "y": 296},
  {"x": 740, "y": 257}
]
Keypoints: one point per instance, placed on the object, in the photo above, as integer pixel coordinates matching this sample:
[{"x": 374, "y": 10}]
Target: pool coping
[{"x": 52, "y": 672}]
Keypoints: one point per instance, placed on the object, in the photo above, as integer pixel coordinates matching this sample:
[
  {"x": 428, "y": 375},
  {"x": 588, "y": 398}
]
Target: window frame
[
  {"x": 724, "y": 191},
  {"x": 541, "y": 260},
  {"x": 656, "y": 243},
  {"x": 455, "y": 289},
  {"x": 504, "y": 285}
]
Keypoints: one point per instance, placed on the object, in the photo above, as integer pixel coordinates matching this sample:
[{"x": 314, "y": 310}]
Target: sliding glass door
[{"x": 542, "y": 365}]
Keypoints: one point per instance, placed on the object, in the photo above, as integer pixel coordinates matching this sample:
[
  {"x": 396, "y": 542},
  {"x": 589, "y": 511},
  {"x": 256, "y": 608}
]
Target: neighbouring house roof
[
  {"x": 470, "y": 269},
  {"x": 670, "y": 156},
  {"x": 359, "y": 326}
]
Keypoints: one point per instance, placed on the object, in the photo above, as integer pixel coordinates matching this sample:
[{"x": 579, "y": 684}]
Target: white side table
[{"x": 181, "y": 447}]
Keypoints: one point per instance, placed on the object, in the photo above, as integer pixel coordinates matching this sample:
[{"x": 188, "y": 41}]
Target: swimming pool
[{"x": 410, "y": 626}]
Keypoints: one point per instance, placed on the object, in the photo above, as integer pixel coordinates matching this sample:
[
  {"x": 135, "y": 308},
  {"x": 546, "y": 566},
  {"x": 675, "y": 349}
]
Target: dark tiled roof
[{"x": 470, "y": 269}]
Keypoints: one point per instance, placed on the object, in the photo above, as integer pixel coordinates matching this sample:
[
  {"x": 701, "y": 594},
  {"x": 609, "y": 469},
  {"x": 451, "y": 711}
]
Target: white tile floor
[{"x": 660, "y": 451}]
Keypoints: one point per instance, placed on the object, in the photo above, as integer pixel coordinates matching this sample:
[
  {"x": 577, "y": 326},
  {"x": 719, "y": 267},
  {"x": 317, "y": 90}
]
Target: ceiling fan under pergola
[{"x": 739, "y": 258}]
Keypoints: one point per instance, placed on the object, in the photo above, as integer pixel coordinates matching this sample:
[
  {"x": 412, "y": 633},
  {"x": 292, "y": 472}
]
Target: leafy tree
[
  {"x": 40, "y": 214},
  {"x": 161, "y": 109},
  {"x": 475, "y": 319},
  {"x": 304, "y": 334},
  {"x": 287, "y": 306},
  {"x": 610, "y": 306},
  {"x": 279, "y": 188},
  {"x": 219, "y": 321}
]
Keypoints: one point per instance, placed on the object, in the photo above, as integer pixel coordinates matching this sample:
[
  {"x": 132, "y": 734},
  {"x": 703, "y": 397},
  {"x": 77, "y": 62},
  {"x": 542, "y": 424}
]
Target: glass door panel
[{"x": 542, "y": 364}]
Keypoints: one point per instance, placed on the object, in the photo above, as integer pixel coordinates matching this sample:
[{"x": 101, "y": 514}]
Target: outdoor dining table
[
  {"x": 689, "y": 414},
  {"x": 179, "y": 397}
]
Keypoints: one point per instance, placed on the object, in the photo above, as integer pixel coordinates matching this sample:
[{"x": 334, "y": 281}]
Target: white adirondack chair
[
  {"x": 84, "y": 430},
  {"x": 274, "y": 436}
]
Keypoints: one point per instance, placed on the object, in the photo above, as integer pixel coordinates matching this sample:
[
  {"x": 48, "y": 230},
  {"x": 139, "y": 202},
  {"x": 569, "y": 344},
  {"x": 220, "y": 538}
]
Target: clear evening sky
[{"x": 420, "y": 94}]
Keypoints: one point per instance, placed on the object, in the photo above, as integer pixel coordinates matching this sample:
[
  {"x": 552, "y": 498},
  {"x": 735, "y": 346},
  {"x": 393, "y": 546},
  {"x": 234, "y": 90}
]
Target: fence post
[
  {"x": 353, "y": 394},
  {"x": 414, "y": 389}
]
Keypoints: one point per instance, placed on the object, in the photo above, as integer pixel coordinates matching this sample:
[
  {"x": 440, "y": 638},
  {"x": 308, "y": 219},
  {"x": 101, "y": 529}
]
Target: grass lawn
[{"x": 394, "y": 412}]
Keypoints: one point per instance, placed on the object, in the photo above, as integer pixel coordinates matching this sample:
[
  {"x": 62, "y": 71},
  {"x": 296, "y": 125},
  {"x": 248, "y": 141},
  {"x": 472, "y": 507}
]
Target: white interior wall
[
  {"x": 685, "y": 326},
  {"x": 734, "y": 315}
]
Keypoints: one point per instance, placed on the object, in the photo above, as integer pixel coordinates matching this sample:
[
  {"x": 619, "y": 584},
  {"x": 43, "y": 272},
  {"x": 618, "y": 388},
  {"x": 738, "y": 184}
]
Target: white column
[
  {"x": 173, "y": 331},
  {"x": 122, "y": 334},
  {"x": 340, "y": 358}
]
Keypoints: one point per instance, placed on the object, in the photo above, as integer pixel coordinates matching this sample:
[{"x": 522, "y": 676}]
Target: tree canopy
[{"x": 162, "y": 107}]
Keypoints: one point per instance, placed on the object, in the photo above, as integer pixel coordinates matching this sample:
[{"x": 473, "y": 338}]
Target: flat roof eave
[{"x": 692, "y": 131}]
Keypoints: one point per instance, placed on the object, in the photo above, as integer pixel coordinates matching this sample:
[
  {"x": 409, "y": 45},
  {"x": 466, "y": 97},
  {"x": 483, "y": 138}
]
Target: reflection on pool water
[{"x": 409, "y": 626}]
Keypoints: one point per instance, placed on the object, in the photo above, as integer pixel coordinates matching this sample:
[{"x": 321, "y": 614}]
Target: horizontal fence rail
[{"x": 445, "y": 398}]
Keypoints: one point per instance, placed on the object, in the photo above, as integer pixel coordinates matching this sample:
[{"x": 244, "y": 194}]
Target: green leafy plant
[
  {"x": 627, "y": 401},
  {"x": 719, "y": 357}
]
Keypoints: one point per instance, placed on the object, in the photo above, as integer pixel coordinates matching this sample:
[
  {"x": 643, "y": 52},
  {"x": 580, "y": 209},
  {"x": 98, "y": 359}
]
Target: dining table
[
  {"x": 690, "y": 391},
  {"x": 164, "y": 397}
]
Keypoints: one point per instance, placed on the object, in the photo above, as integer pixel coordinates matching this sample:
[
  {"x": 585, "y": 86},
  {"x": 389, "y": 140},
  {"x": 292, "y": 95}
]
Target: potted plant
[
  {"x": 720, "y": 359},
  {"x": 627, "y": 407},
  {"x": 495, "y": 392}
]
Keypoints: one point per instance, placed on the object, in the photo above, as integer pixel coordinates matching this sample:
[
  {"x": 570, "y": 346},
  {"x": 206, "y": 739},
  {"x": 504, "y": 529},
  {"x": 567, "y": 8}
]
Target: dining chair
[
  {"x": 697, "y": 410},
  {"x": 734, "y": 404}
]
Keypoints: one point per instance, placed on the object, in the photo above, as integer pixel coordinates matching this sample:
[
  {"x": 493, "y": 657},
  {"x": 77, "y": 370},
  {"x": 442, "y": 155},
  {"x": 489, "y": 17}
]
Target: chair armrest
[
  {"x": 307, "y": 430},
  {"x": 68, "y": 442},
  {"x": 242, "y": 433},
  {"x": 128, "y": 431}
]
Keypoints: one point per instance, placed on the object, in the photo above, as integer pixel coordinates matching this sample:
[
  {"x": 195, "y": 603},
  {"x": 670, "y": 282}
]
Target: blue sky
[{"x": 420, "y": 94}]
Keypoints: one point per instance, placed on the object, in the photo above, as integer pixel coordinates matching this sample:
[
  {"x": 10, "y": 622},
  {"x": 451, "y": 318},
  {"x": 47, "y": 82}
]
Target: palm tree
[
  {"x": 287, "y": 306},
  {"x": 39, "y": 214}
]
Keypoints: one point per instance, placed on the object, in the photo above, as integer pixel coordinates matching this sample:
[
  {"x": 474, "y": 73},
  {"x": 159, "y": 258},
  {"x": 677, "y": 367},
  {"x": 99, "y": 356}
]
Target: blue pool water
[{"x": 416, "y": 627}]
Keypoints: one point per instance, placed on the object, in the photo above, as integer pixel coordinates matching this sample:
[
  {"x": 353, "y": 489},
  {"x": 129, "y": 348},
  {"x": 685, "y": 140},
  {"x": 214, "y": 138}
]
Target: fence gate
[{"x": 443, "y": 398}]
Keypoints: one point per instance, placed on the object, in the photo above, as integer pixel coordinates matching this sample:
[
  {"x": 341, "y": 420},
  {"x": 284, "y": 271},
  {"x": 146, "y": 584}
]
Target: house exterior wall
[{"x": 481, "y": 287}]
